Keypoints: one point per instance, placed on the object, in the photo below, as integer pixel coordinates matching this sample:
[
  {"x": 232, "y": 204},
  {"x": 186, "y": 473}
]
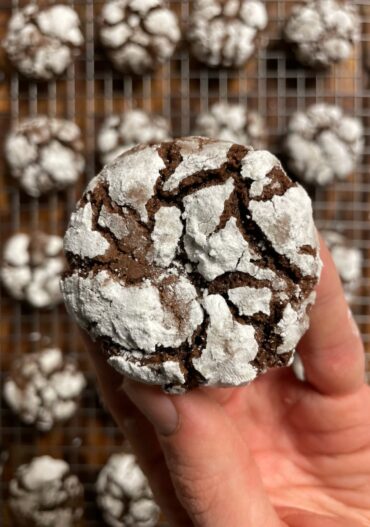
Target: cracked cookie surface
[
  {"x": 119, "y": 133},
  {"x": 323, "y": 144},
  {"x": 323, "y": 32},
  {"x": 193, "y": 262},
  {"x": 232, "y": 122},
  {"x": 42, "y": 43},
  {"x": 32, "y": 265},
  {"x": 224, "y": 33},
  {"x": 45, "y": 154},
  {"x": 43, "y": 388},
  {"x": 45, "y": 492},
  {"x": 138, "y": 35},
  {"x": 124, "y": 495}
]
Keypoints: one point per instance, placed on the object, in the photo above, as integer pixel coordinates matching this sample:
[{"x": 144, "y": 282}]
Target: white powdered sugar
[
  {"x": 81, "y": 239},
  {"x": 251, "y": 300},
  {"x": 323, "y": 31},
  {"x": 194, "y": 268},
  {"x": 133, "y": 317},
  {"x": 31, "y": 268},
  {"x": 348, "y": 261},
  {"x": 286, "y": 221},
  {"x": 165, "y": 373},
  {"x": 166, "y": 235},
  {"x": 124, "y": 495},
  {"x": 138, "y": 35},
  {"x": 294, "y": 324},
  {"x": 44, "y": 492},
  {"x": 323, "y": 144},
  {"x": 224, "y": 33},
  {"x": 132, "y": 189},
  {"x": 231, "y": 347},
  {"x": 43, "y": 388},
  {"x": 197, "y": 155},
  {"x": 45, "y": 154},
  {"x": 119, "y": 133},
  {"x": 232, "y": 122},
  {"x": 42, "y": 42}
]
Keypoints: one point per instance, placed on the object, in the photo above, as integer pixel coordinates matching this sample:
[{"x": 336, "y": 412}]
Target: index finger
[{"x": 332, "y": 350}]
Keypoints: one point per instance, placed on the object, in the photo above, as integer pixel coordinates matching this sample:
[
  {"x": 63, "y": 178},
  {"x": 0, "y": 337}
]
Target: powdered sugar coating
[
  {"x": 348, "y": 261},
  {"x": 138, "y": 35},
  {"x": 203, "y": 273},
  {"x": 232, "y": 122},
  {"x": 323, "y": 31},
  {"x": 119, "y": 133},
  {"x": 224, "y": 33},
  {"x": 31, "y": 268},
  {"x": 124, "y": 495},
  {"x": 43, "y": 388},
  {"x": 323, "y": 144},
  {"x": 42, "y": 42},
  {"x": 44, "y": 492},
  {"x": 45, "y": 154}
]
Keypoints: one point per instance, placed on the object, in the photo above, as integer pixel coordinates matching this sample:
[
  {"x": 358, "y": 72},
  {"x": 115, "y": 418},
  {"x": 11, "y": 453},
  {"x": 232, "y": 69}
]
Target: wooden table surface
[{"x": 272, "y": 83}]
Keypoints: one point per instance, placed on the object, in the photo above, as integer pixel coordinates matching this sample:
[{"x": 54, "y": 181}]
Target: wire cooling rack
[{"x": 272, "y": 83}]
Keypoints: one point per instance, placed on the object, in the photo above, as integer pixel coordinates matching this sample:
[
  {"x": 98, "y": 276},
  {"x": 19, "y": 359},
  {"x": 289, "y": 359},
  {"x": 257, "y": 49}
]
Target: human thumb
[{"x": 214, "y": 475}]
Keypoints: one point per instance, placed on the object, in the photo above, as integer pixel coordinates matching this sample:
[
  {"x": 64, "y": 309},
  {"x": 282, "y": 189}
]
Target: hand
[{"x": 276, "y": 453}]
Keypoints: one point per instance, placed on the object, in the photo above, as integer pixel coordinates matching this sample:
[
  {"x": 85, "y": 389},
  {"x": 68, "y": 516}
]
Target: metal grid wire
[{"x": 272, "y": 83}]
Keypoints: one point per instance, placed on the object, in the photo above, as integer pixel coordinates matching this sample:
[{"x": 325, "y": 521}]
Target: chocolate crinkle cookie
[
  {"x": 348, "y": 261},
  {"x": 31, "y": 268},
  {"x": 323, "y": 32},
  {"x": 124, "y": 495},
  {"x": 45, "y": 154},
  {"x": 232, "y": 122},
  {"x": 121, "y": 132},
  {"x": 193, "y": 262},
  {"x": 42, "y": 42},
  {"x": 43, "y": 388},
  {"x": 224, "y": 33},
  {"x": 44, "y": 493},
  {"x": 323, "y": 144},
  {"x": 138, "y": 35}
]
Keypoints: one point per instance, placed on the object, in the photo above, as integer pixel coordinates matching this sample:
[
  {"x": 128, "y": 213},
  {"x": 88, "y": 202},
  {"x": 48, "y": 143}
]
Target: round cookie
[
  {"x": 232, "y": 122},
  {"x": 323, "y": 32},
  {"x": 31, "y": 268},
  {"x": 348, "y": 261},
  {"x": 43, "y": 42},
  {"x": 138, "y": 35},
  {"x": 224, "y": 33},
  {"x": 193, "y": 262},
  {"x": 45, "y": 154},
  {"x": 44, "y": 492},
  {"x": 43, "y": 388},
  {"x": 323, "y": 144},
  {"x": 124, "y": 495},
  {"x": 121, "y": 132}
]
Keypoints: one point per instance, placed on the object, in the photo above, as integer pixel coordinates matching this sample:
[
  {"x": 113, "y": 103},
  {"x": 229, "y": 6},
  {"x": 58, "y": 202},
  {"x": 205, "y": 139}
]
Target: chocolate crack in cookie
[
  {"x": 42, "y": 43},
  {"x": 138, "y": 35},
  {"x": 193, "y": 262},
  {"x": 323, "y": 32},
  {"x": 224, "y": 33}
]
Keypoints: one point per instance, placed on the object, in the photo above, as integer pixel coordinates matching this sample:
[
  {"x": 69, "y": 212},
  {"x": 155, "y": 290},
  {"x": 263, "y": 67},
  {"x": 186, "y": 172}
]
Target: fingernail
[{"x": 157, "y": 407}]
